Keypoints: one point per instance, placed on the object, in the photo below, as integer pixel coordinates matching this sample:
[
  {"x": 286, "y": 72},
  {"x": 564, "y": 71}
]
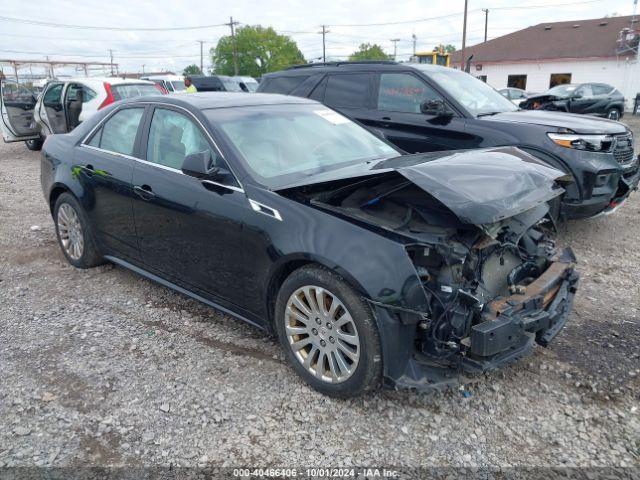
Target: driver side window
[
  {"x": 173, "y": 136},
  {"x": 586, "y": 91},
  {"x": 402, "y": 92}
]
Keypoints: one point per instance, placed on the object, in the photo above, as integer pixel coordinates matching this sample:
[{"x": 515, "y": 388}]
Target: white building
[{"x": 537, "y": 58}]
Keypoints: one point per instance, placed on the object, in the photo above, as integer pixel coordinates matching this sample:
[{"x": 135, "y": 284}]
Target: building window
[
  {"x": 482, "y": 78},
  {"x": 517, "y": 81},
  {"x": 559, "y": 79}
]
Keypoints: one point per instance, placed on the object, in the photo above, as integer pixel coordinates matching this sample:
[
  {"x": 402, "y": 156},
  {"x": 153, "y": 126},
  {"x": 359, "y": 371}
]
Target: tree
[
  {"x": 368, "y": 51},
  {"x": 446, "y": 48},
  {"x": 260, "y": 50},
  {"x": 191, "y": 70}
]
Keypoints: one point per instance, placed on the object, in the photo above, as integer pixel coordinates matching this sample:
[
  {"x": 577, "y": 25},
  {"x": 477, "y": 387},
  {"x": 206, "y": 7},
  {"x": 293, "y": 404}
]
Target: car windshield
[
  {"x": 230, "y": 84},
  {"x": 562, "y": 90},
  {"x": 178, "y": 85},
  {"x": 123, "y": 91},
  {"x": 473, "y": 94},
  {"x": 282, "y": 144}
]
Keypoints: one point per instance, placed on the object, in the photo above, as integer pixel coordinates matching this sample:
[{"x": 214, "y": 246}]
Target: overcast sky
[{"x": 172, "y": 50}]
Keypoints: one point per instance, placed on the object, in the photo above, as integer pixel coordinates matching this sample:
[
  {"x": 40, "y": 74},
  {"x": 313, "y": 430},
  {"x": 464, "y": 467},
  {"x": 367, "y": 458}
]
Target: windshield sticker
[{"x": 332, "y": 117}]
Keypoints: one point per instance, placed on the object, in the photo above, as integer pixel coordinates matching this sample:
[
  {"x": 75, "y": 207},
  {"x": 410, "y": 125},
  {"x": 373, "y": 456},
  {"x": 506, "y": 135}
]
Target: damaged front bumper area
[
  {"x": 511, "y": 326},
  {"x": 513, "y": 323}
]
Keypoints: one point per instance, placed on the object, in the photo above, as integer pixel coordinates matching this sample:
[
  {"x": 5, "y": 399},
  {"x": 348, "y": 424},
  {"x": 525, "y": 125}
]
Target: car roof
[
  {"x": 208, "y": 100},
  {"x": 334, "y": 67},
  {"x": 109, "y": 80},
  {"x": 165, "y": 77}
]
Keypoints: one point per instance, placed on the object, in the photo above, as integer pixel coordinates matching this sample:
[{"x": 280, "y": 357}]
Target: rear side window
[
  {"x": 347, "y": 90},
  {"x": 118, "y": 134},
  {"x": 601, "y": 89},
  {"x": 284, "y": 85},
  {"x": 402, "y": 92},
  {"x": 120, "y": 92}
]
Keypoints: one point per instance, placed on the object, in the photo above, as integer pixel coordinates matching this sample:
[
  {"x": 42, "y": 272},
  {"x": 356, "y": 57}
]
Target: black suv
[
  {"x": 423, "y": 108},
  {"x": 597, "y": 99}
]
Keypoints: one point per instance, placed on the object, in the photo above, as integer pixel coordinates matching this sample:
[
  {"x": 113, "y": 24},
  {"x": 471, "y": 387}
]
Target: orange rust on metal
[{"x": 546, "y": 285}]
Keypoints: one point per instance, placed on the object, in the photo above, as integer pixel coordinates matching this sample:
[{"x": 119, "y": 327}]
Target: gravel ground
[{"x": 102, "y": 367}]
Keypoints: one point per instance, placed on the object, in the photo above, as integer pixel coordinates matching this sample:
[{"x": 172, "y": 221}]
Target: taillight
[
  {"x": 110, "y": 99},
  {"x": 163, "y": 90}
]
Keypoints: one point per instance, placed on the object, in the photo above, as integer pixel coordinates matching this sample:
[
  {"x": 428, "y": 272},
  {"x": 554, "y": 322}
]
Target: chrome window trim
[
  {"x": 142, "y": 104},
  {"x": 160, "y": 166}
]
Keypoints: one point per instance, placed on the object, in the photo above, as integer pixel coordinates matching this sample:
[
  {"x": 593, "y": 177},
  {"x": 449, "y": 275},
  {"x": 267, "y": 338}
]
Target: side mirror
[
  {"x": 200, "y": 165},
  {"x": 577, "y": 95},
  {"x": 436, "y": 108}
]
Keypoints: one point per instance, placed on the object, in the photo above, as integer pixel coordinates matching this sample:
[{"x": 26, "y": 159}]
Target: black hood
[
  {"x": 479, "y": 186},
  {"x": 577, "y": 123}
]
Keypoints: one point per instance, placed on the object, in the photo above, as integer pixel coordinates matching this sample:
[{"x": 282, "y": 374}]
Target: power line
[
  {"x": 201, "y": 27},
  {"x": 441, "y": 17},
  {"x": 97, "y": 27}
]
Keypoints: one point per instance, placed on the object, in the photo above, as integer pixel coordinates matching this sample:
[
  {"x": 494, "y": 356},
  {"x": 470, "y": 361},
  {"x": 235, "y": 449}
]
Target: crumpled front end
[{"x": 489, "y": 281}]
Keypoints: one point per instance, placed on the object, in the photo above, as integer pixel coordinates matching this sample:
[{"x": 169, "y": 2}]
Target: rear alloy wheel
[
  {"x": 74, "y": 233},
  {"x": 328, "y": 333},
  {"x": 613, "y": 114}
]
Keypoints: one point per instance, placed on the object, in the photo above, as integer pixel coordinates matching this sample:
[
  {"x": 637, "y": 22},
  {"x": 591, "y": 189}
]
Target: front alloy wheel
[
  {"x": 328, "y": 332},
  {"x": 322, "y": 334},
  {"x": 613, "y": 114}
]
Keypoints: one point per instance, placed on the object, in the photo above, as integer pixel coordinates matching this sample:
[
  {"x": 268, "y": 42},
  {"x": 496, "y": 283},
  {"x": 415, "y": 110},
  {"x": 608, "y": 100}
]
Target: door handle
[
  {"x": 88, "y": 169},
  {"x": 144, "y": 191}
]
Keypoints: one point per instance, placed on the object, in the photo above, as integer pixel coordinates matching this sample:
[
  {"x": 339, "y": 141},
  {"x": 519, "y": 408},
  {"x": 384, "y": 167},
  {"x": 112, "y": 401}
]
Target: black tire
[
  {"x": 614, "y": 114},
  {"x": 368, "y": 373},
  {"x": 35, "y": 145},
  {"x": 90, "y": 256}
]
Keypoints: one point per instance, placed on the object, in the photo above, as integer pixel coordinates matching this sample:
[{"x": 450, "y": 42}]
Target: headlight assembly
[{"x": 591, "y": 143}]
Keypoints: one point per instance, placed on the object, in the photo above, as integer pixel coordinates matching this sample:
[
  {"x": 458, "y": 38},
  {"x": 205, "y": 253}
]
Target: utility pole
[
  {"x": 111, "y": 60},
  {"x": 414, "y": 38},
  {"x": 464, "y": 35},
  {"x": 486, "y": 22},
  {"x": 143, "y": 68},
  {"x": 324, "y": 51},
  {"x": 231, "y": 24},
  {"x": 395, "y": 47},
  {"x": 201, "y": 42}
]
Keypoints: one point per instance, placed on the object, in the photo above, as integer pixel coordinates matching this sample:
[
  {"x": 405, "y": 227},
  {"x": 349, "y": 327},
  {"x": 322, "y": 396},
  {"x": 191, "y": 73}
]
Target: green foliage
[
  {"x": 191, "y": 70},
  {"x": 368, "y": 51},
  {"x": 260, "y": 50},
  {"x": 447, "y": 48}
]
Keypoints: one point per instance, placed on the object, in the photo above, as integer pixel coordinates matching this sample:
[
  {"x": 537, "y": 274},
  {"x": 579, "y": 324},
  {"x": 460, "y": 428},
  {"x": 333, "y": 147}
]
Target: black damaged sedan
[{"x": 373, "y": 268}]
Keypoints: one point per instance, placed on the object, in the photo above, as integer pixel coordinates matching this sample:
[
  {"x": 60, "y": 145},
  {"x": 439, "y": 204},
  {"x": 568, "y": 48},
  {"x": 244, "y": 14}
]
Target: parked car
[
  {"x": 62, "y": 105},
  {"x": 424, "y": 108},
  {"x": 597, "y": 99},
  {"x": 247, "y": 84},
  {"x": 516, "y": 95},
  {"x": 216, "y": 83},
  {"x": 171, "y": 83},
  {"x": 370, "y": 266}
]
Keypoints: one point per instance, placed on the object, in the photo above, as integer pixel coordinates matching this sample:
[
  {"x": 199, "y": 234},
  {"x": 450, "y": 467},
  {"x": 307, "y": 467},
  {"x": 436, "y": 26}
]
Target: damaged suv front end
[{"x": 489, "y": 281}]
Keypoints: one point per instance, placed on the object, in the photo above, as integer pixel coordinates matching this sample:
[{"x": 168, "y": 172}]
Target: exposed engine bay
[{"x": 484, "y": 292}]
